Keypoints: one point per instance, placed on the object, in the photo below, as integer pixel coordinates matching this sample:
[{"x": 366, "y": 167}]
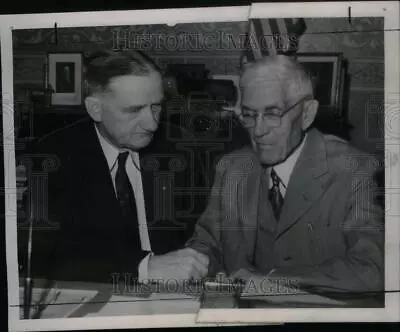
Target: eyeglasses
[
  {"x": 156, "y": 108},
  {"x": 273, "y": 116}
]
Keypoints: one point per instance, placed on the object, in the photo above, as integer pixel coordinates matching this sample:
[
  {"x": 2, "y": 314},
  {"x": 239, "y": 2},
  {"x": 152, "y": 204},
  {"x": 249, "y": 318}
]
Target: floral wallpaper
[{"x": 217, "y": 45}]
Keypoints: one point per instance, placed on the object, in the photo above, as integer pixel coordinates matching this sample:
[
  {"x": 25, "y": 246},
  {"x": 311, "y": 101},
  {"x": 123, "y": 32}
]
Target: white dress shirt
[
  {"x": 285, "y": 169},
  {"x": 111, "y": 153}
]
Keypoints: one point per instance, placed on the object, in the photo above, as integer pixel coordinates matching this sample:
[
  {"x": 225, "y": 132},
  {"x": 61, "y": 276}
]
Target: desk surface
[{"x": 81, "y": 299}]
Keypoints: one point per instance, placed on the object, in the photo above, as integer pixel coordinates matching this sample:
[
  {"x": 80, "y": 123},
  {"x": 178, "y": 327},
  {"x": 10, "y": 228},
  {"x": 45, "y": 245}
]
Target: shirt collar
[
  {"x": 110, "y": 151},
  {"x": 285, "y": 169}
]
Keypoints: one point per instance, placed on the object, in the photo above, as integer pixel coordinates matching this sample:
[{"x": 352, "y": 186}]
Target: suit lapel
[
  {"x": 305, "y": 184},
  {"x": 148, "y": 188},
  {"x": 154, "y": 169},
  {"x": 247, "y": 199},
  {"x": 267, "y": 221},
  {"x": 96, "y": 183}
]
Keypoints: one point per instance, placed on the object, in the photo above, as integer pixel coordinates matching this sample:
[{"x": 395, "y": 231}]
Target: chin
[
  {"x": 269, "y": 159},
  {"x": 140, "y": 142},
  {"x": 267, "y": 162}
]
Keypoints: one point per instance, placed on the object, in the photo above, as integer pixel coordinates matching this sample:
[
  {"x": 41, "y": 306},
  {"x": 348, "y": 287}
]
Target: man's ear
[
  {"x": 309, "y": 113},
  {"x": 94, "y": 108}
]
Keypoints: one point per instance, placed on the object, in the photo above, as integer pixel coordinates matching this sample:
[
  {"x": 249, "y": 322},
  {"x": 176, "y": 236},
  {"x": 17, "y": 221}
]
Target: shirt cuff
[{"x": 143, "y": 269}]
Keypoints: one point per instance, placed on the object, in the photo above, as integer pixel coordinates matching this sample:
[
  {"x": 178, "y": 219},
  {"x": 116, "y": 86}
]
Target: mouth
[
  {"x": 146, "y": 133},
  {"x": 264, "y": 146}
]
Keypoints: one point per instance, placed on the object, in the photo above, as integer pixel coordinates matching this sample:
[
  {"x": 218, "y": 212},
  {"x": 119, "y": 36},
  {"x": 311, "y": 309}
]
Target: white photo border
[{"x": 206, "y": 317}]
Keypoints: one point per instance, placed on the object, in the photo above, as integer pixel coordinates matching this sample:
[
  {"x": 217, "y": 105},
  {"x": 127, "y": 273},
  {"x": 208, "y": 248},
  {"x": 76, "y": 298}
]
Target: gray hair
[
  {"x": 102, "y": 66},
  {"x": 287, "y": 71}
]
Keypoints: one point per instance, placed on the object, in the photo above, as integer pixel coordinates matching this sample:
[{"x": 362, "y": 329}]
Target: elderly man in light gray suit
[{"x": 298, "y": 205}]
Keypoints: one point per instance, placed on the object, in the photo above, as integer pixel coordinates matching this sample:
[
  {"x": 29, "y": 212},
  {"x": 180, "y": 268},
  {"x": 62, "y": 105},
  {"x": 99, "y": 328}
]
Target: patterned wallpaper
[
  {"x": 321, "y": 34},
  {"x": 365, "y": 54},
  {"x": 217, "y": 45}
]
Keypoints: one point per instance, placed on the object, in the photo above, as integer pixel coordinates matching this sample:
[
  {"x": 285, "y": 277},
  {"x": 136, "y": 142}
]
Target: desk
[
  {"x": 79, "y": 299},
  {"x": 308, "y": 300},
  {"x": 62, "y": 299}
]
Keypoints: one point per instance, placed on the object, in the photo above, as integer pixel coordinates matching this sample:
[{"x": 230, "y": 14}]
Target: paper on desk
[
  {"x": 156, "y": 303},
  {"x": 280, "y": 291},
  {"x": 292, "y": 297}
]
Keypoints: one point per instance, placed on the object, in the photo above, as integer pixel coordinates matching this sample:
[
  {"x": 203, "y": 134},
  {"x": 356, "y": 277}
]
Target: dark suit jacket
[
  {"x": 80, "y": 236},
  {"x": 331, "y": 232}
]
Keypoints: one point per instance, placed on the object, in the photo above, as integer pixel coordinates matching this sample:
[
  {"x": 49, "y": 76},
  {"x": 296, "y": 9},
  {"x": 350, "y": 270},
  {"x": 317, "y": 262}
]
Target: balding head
[{"x": 278, "y": 106}]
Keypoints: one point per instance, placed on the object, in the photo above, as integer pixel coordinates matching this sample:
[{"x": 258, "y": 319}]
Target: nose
[
  {"x": 260, "y": 127},
  {"x": 150, "y": 119}
]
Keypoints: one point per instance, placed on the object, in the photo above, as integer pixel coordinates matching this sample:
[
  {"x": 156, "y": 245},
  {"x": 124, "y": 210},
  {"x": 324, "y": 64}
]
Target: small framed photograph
[
  {"x": 65, "y": 77},
  {"x": 326, "y": 71}
]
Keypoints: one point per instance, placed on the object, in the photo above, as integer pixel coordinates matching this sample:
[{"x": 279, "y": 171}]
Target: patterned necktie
[
  {"x": 126, "y": 199},
  {"x": 275, "y": 195}
]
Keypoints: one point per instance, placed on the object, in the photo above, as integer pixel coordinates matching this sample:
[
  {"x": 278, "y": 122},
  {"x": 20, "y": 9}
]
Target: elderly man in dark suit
[
  {"x": 113, "y": 193},
  {"x": 298, "y": 204}
]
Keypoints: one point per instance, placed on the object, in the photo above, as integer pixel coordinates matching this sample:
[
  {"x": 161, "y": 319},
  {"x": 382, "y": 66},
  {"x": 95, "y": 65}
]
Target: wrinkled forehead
[
  {"x": 261, "y": 83},
  {"x": 272, "y": 81},
  {"x": 267, "y": 75}
]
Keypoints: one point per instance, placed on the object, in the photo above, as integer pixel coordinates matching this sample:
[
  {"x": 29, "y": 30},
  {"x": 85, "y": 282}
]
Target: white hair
[{"x": 287, "y": 71}]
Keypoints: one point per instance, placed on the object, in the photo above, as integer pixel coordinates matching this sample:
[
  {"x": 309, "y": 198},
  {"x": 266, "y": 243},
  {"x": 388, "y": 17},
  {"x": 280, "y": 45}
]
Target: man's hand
[{"x": 182, "y": 264}]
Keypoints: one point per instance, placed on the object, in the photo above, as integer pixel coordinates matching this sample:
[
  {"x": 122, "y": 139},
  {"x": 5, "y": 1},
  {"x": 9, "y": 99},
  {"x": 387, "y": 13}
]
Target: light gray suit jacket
[{"x": 331, "y": 231}]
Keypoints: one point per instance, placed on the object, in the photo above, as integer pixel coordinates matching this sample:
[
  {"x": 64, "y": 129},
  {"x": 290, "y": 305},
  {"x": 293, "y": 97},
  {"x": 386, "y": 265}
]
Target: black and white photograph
[
  {"x": 64, "y": 79},
  {"x": 229, "y": 168}
]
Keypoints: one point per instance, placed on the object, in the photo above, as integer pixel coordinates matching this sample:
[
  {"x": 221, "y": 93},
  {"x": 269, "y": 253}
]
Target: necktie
[
  {"x": 126, "y": 199},
  {"x": 275, "y": 195}
]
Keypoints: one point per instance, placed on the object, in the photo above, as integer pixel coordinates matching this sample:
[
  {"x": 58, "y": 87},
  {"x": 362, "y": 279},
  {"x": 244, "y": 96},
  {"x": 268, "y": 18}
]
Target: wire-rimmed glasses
[{"x": 272, "y": 116}]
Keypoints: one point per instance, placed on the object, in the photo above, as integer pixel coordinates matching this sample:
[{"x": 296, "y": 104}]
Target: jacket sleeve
[
  {"x": 361, "y": 269},
  {"x": 84, "y": 253},
  {"x": 81, "y": 254},
  {"x": 207, "y": 235}
]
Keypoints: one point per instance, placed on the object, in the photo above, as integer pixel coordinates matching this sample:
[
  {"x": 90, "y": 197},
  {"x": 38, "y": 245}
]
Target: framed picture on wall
[
  {"x": 65, "y": 78},
  {"x": 326, "y": 74}
]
